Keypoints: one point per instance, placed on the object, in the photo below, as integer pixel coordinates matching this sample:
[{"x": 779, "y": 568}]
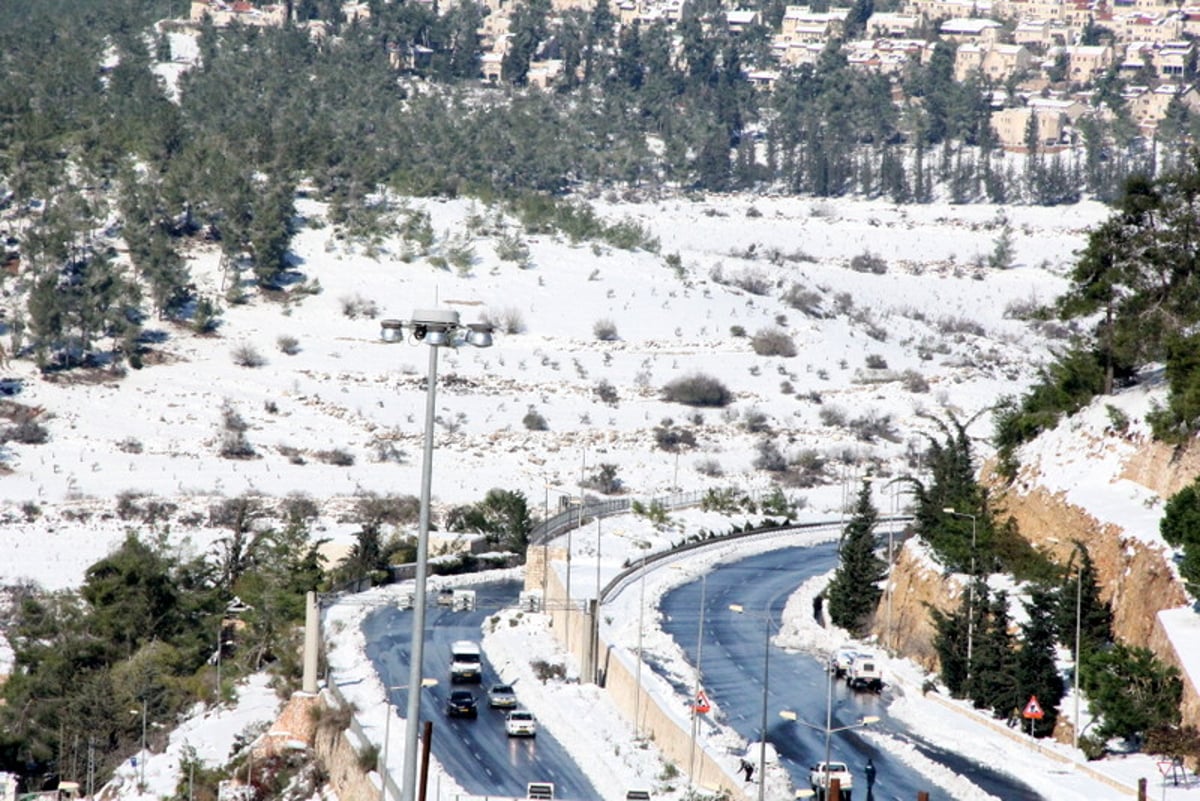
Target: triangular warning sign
[
  {"x": 1033, "y": 709},
  {"x": 702, "y": 706}
]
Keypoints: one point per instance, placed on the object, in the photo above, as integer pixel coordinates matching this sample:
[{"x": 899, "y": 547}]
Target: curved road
[
  {"x": 484, "y": 761},
  {"x": 732, "y": 663},
  {"x": 477, "y": 753}
]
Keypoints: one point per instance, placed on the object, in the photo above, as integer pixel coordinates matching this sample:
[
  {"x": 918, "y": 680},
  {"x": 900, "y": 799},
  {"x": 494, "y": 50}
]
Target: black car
[{"x": 462, "y": 704}]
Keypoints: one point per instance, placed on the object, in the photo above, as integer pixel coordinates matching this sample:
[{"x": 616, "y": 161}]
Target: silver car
[{"x": 501, "y": 696}]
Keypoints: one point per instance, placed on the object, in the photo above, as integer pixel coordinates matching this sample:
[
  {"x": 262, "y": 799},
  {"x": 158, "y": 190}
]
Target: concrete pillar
[{"x": 312, "y": 641}]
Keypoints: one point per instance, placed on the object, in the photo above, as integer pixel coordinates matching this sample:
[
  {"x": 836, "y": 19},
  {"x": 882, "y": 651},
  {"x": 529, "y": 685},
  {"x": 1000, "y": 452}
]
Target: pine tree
[
  {"x": 1130, "y": 690},
  {"x": 950, "y": 642},
  {"x": 1037, "y": 673},
  {"x": 854, "y": 591},
  {"x": 994, "y": 662}
]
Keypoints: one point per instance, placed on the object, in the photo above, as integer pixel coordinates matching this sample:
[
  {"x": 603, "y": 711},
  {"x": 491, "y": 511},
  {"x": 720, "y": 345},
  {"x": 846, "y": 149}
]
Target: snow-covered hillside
[{"x": 932, "y": 331}]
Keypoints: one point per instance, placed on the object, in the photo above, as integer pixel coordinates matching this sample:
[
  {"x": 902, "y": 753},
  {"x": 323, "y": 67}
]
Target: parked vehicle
[
  {"x": 501, "y": 696},
  {"x": 839, "y": 663},
  {"x": 462, "y": 704},
  {"x": 820, "y": 778},
  {"x": 864, "y": 673},
  {"x": 466, "y": 662},
  {"x": 520, "y": 723}
]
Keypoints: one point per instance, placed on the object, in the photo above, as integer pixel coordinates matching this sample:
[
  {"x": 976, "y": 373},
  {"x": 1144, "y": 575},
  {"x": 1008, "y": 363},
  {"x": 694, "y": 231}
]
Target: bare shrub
[
  {"x": 876, "y": 362},
  {"x": 26, "y": 432},
  {"x": 235, "y": 445},
  {"x": 129, "y": 445},
  {"x": 670, "y": 437},
  {"x": 769, "y": 457},
  {"x": 605, "y": 330},
  {"x": 960, "y": 325},
  {"x": 604, "y": 480},
  {"x": 247, "y": 356},
  {"x": 872, "y": 427},
  {"x": 773, "y": 342},
  {"x": 606, "y": 393},
  {"x": 336, "y": 457},
  {"x": 804, "y": 300},
  {"x": 288, "y": 345},
  {"x": 508, "y": 320},
  {"x": 832, "y": 416},
  {"x": 756, "y": 421},
  {"x": 534, "y": 421},
  {"x": 709, "y": 467},
  {"x": 231, "y": 419},
  {"x": 394, "y": 510},
  {"x": 1026, "y": 309},
  {"x": 752, "y": 281},
  {"x": 697, "y": 389},
  {"x": 868, "y": 262},
  {"x": 356, "y": 306},
  {"x": 914, "y": 381}
]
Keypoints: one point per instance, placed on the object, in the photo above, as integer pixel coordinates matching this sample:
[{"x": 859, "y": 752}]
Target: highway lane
[
  {"x": 477, "y": 753},
  {"x": 732, "y": 669}
]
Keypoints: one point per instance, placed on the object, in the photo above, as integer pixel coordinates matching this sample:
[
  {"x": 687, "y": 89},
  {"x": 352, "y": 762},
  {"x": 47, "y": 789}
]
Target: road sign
[
  {"x": 1033, "y": 710},
  {"x": 702, "y": 706}
]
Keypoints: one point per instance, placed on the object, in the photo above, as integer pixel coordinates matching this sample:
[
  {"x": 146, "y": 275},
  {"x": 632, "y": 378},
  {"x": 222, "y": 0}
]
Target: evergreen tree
[
  {"x": 1037, "y": 674},
  {"x": 1130, "y": 690},
  {"x": 950, "y": 643},
  {"x": 503, "y": 515},
  {"x": 994, "y": 660},
  {"x": 854, "y": 591}
]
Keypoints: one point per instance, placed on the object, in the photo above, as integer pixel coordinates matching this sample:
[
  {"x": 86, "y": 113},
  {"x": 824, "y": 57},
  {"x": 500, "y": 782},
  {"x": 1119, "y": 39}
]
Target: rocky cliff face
[{"x": 1135, "y": 574}]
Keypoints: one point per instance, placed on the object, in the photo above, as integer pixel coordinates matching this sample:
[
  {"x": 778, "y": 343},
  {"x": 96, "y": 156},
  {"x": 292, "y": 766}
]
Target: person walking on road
[
  {"x": 870, "y": 771},
  {"x": 747, "y": 768}
]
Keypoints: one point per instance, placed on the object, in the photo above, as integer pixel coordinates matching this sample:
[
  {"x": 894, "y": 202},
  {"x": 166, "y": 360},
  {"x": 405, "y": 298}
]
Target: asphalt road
[
  {"x": 732, "y": 666},
  {"x": 477, "y": 753}
]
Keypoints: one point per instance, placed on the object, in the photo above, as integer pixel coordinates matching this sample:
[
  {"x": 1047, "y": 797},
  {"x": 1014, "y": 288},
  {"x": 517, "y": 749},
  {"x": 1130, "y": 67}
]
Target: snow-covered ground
[{"x": 951, "y": 333}]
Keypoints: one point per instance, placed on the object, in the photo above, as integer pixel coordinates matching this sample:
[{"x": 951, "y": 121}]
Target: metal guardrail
[
  {"x": 572, "y": 517},
  {"x": 630, "y": 574}
]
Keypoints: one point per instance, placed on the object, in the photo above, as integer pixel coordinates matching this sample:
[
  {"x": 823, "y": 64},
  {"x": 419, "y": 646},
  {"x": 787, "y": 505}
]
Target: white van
[{"x": 466, "y": 662}]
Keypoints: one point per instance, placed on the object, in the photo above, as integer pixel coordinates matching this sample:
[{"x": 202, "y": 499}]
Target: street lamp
[
  {"x": 762, "y": 745},
  {"x": 437, "y": 328},
  {"x": 696, "y": 671},
  {"x": 828, "y": 728},
  {"x": 644, "y": 545},
  {"x": 387, "y": 735},
  {"x": 545, "y": 552},
  {"x": 970, "y": 589}
]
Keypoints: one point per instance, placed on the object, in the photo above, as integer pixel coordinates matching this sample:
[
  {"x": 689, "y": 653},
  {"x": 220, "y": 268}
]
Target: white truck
[
  {"x": 466, "y": 662},
  {"x": 864, "y": 673},
  {"x": 821, "y": 777}
]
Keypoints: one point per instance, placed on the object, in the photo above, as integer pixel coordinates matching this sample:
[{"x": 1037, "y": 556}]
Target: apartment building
[{"x": 994, "y": 61}]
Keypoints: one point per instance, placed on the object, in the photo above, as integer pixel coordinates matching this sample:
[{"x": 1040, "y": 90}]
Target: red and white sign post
[{"x": 1033, "y": 711}]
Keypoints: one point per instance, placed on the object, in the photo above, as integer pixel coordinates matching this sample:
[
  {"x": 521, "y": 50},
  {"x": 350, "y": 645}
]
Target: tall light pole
[
  {"x": 762, "y": 745},
  {"x": 387, "y": 733},
  {"x": 828, "y": 728},
  {"x": 1078, "y": 627},
  {"x": 696, "y": 679},
  {"x": 970, "y": 590},
  {"x": 437, "y": 328},
  {"x": 567, "y": 590}
]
